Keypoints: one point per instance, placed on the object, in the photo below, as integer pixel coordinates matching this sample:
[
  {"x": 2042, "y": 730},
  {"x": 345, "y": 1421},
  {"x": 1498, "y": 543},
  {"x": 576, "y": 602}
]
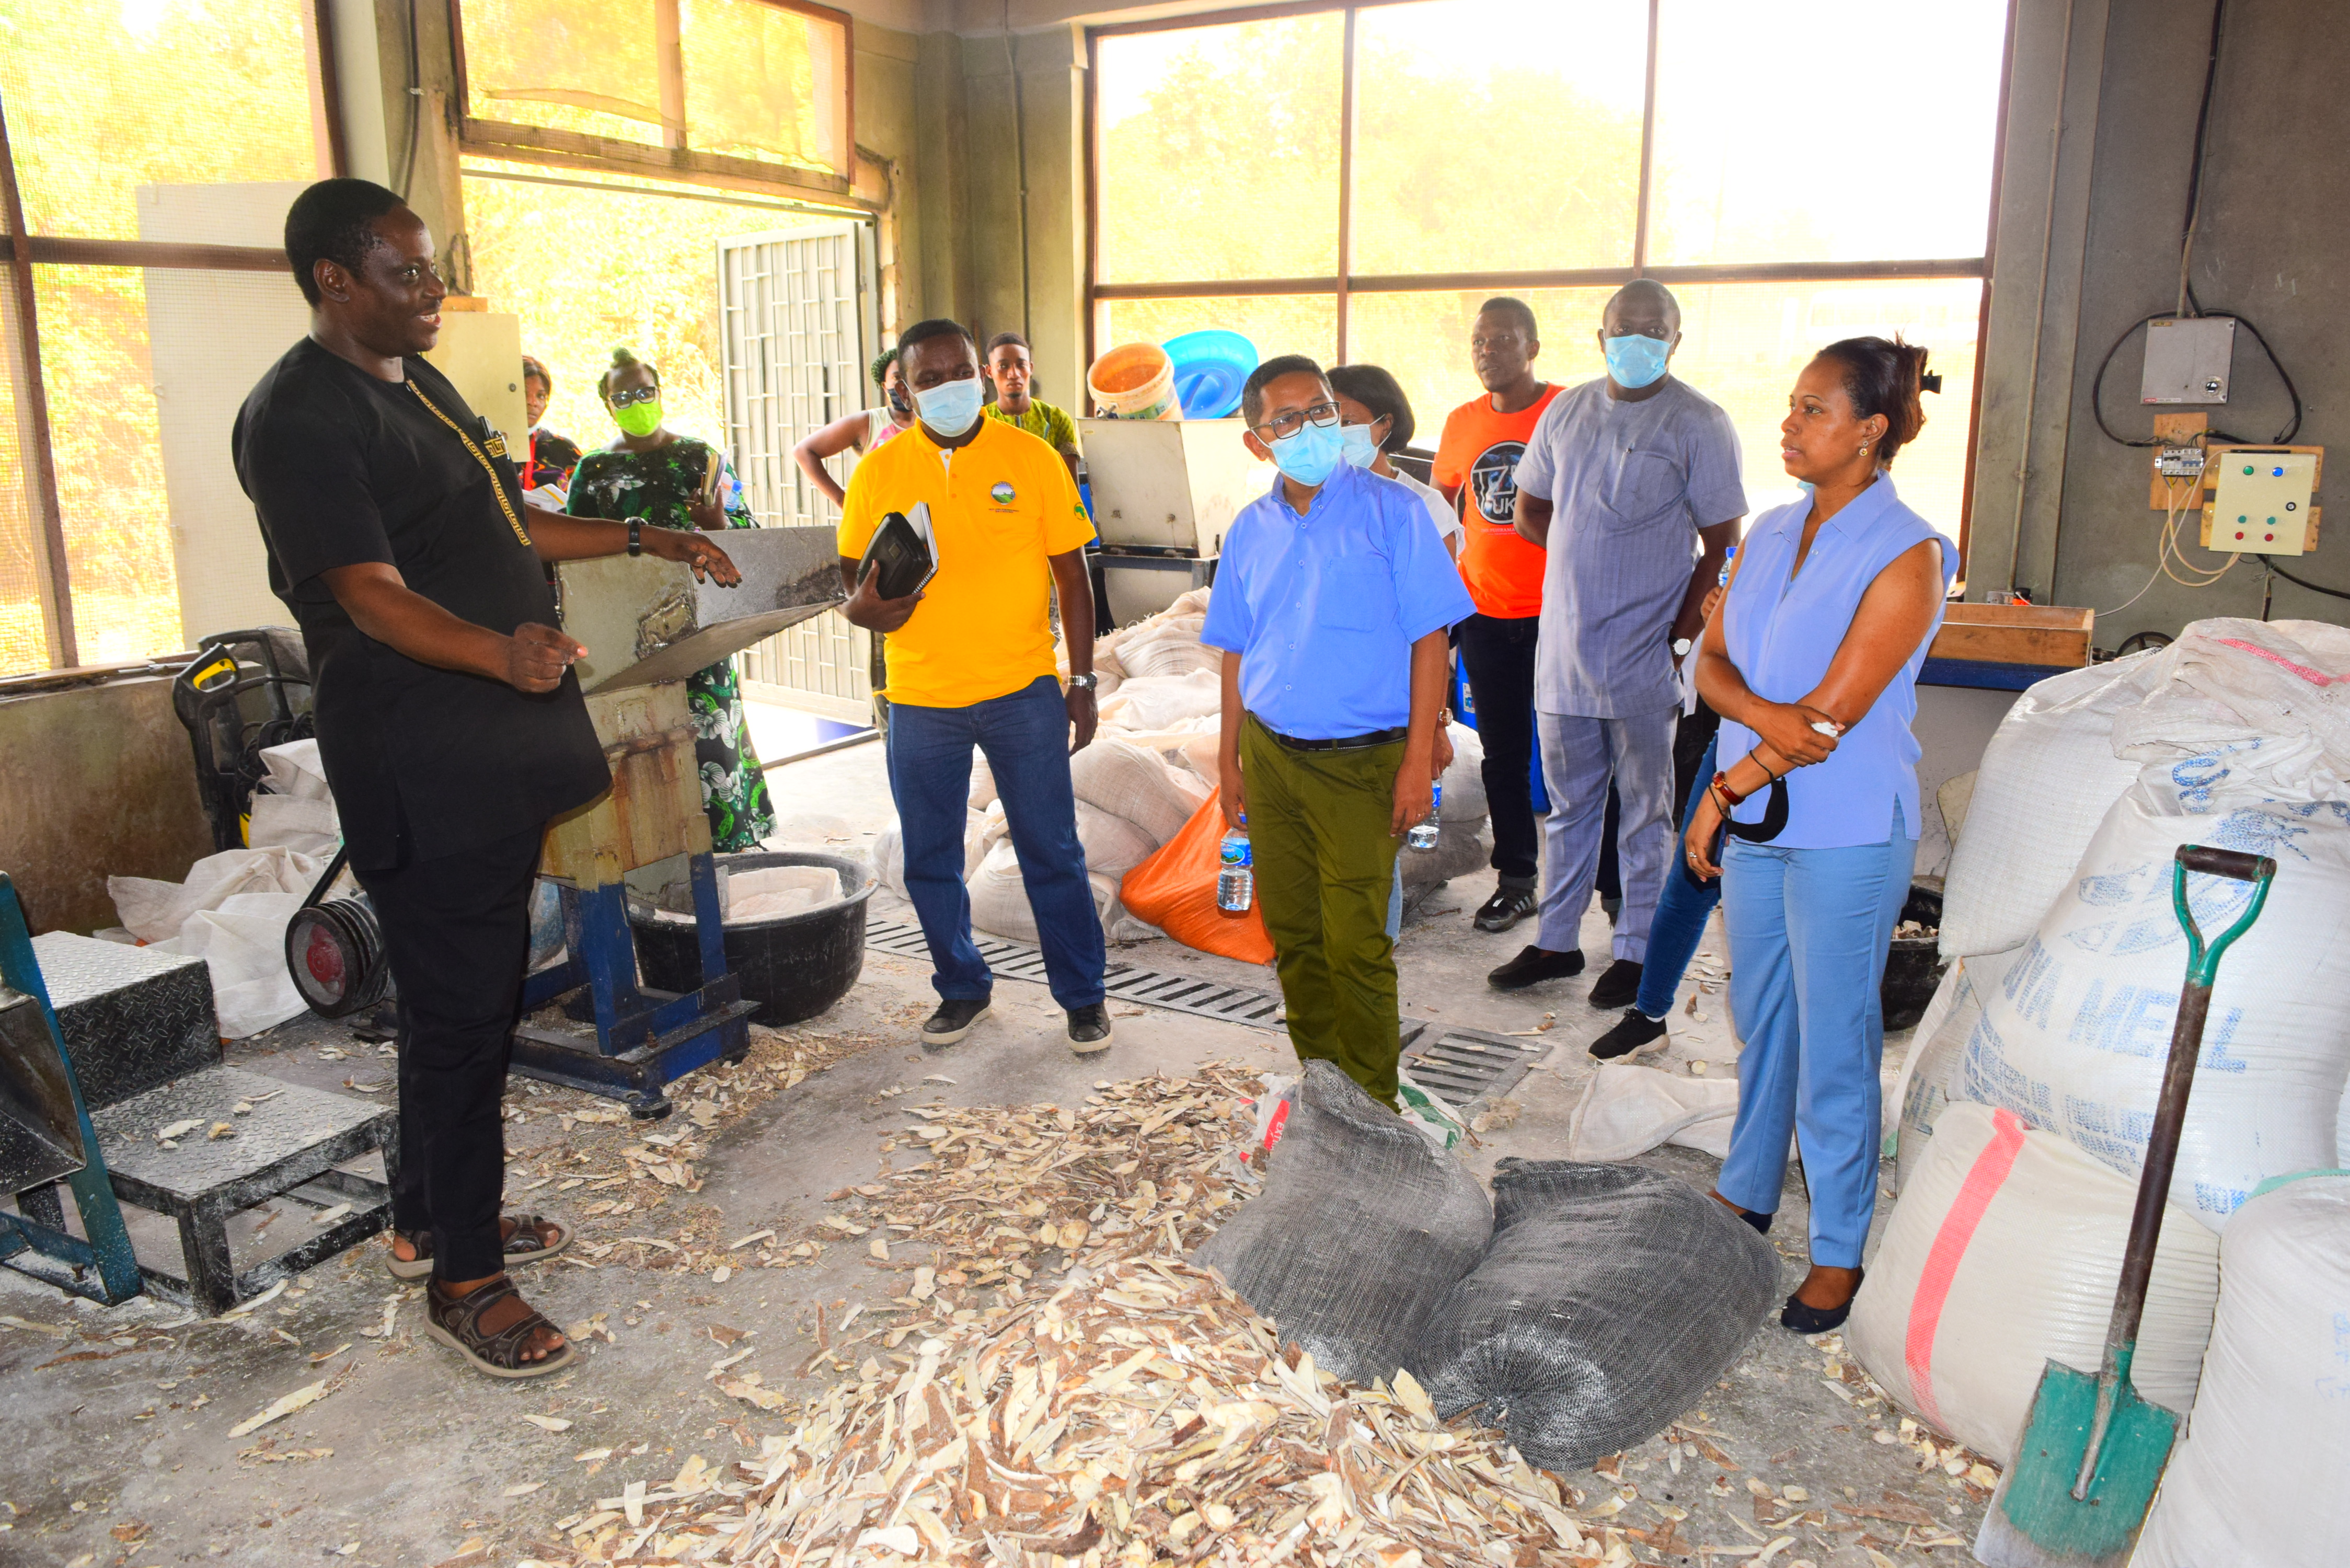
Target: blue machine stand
[
  {"x": 45, "y": 1134},
  {"x": 644, "y": 1038}
]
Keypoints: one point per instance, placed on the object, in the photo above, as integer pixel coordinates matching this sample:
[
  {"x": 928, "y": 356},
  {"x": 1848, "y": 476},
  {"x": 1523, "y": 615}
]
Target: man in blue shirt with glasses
[{"x": 1332, "y": 602}]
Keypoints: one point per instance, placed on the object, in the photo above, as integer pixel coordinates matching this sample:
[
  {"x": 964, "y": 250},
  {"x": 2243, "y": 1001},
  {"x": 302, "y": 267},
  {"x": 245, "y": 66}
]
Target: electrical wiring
[{"x": 2303, "y": 583}]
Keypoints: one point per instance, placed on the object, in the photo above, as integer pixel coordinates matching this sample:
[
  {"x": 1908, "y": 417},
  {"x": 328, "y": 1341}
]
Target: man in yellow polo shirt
[{"x": 970, "y": 661}]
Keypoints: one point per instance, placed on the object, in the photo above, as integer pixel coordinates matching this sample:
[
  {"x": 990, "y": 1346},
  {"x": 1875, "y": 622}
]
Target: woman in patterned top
[{"x": 676, "y": 482}]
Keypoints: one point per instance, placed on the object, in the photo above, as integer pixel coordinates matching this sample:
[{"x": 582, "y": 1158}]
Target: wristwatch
[
  {"x": 636, "y": 536},
  {"x": 1681, "y": 644},
  {"x": 1084, "y": 682}
]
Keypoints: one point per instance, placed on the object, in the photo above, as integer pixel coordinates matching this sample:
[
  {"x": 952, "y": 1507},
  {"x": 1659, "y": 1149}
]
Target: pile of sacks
[
  {"x": 233, "y": 909},
  {"x": 1581, "y": 1307},
  {"x": 2025, "y": 1113},
  {"x": 1150, "y": 769}
]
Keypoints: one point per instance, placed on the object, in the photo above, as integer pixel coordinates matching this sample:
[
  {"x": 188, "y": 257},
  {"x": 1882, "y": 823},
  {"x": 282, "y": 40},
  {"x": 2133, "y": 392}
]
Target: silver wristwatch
[{"x": 1084, "y": 682}]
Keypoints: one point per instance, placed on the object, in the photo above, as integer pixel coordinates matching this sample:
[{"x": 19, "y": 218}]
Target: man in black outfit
[{"x": 449, "y": 723}]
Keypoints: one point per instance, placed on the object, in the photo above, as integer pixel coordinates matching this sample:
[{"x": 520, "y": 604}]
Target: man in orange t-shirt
[{"x": 1476, "y": 468}]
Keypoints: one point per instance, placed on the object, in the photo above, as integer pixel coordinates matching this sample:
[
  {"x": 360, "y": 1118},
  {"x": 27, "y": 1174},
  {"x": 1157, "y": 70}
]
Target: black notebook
[{"x": 902, "y": 555}]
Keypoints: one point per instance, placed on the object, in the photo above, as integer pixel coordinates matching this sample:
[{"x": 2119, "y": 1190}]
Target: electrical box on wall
[
  {"x": 2187, "y": 359},
  {"x": 2262, "y": 499}
]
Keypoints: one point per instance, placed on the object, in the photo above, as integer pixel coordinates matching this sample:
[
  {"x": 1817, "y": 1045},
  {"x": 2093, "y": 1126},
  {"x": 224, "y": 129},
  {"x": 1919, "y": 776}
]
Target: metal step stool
[
  {"x": 139, "y": 1028},
  {"x": 288, "y": 1146}
]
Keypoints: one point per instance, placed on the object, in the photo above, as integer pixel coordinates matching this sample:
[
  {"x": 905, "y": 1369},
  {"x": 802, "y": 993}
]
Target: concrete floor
[{"x": 119, "y": 1417}]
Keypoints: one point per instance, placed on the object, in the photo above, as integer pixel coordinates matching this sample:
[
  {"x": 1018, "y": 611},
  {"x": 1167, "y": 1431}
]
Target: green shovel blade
[{"x": 2035, "y": 1519}]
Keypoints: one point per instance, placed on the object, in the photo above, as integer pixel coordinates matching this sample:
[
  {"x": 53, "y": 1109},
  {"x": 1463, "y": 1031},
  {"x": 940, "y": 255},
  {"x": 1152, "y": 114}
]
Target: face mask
[
  {"x": 1635, "y": 361},
  {"x": 950, "y": 408},
  {"x": 638, "y": 418},
  {"x": 1311, "y": 455},
  {"x": 1360, "y": 449},
  {"x": 897, "y": 401}
]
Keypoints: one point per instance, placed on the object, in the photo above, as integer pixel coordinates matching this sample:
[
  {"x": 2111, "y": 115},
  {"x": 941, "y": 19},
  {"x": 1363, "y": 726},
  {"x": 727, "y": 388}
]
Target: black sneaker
[
  {"x": 1505, "y": 909},
  {"x": 1636, "y": 1034},
  {"x": 1534, "y": 965},
  {"x": 1089, "y": 1029},
  {"x": 952, "y": 1022},
  {"x": 1617, "y": 987}
]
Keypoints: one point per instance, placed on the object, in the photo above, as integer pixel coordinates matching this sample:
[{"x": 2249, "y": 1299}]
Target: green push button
[{"x": 2248, "y": 468}]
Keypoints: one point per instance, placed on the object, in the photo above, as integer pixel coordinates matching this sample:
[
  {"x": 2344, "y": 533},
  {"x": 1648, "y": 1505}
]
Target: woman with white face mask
[{"x": 1374, "y": 419}]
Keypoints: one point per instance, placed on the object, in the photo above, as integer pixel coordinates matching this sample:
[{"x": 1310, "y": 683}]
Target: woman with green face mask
[{"x": 676, "y": 482}]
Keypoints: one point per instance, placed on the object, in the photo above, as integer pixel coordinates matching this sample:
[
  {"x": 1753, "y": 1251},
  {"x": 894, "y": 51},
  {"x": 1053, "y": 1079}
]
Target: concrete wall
[
  {"x": 2269, "y": 244},
  {"x": 100, "y": 780}
]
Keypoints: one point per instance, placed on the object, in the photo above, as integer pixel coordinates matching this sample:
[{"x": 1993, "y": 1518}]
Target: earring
[{"x": 1863, "y": 449}]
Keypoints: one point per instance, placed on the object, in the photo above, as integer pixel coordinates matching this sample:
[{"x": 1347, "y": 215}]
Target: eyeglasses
[
  {"x": 1287, "y": 425},
  {"x": 635, "y": 395}
]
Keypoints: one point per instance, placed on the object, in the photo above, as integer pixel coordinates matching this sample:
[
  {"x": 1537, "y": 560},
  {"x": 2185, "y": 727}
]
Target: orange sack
[{"x": 1175, "y": 891}]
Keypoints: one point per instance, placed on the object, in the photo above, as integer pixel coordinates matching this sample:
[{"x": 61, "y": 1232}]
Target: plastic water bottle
[
  {"x": 1235, "y": 876},
  {"x": 1728, "y": 559},
  {"x": 1423, "y": 834}
]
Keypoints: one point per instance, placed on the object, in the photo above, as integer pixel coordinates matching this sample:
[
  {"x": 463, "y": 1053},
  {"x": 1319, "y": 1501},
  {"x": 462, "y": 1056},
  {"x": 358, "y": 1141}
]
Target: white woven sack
[
  {"x": 1155, "y": 701},
  {"x": 888, "y": 850},
  {"x": 2224, "y": 680},
  {"x": 999, "y": 898},
  {"x": 2046, "y": 779},
  {"x": 2259, "y": 1479},
  {"x": 1932, "y": 1075},
  {"x": 1113, "y": 846},
  {"x": 2003, "y": 1253},
  {"x": 2075, "y": 1039},
  {"x": 1129, "y": 781}
]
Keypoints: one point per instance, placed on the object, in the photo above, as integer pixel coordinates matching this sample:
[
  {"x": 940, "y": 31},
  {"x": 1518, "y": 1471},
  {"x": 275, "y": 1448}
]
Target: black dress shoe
[
  {"x": 1505, "y": 909},
  {"x": 1635, "y": 1034},
  {"x": 1089, "y": 1029},
  {"x": 953, "y": 1021},
  {"x": 1534, "y": 965},
  {"x": 1803, "y": 1318},
  {"x": 1617, "y": 987}
]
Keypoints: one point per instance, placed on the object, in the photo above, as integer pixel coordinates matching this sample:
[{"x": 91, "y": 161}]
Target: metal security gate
[{"x": 796, "y": 310}]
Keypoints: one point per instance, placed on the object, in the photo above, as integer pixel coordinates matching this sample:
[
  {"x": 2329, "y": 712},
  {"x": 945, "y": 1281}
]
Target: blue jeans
[
  {"x": 1025, "y": 735},
  {"x": 1682, "y": 913},
  {"x": 1808, "y": 931}
]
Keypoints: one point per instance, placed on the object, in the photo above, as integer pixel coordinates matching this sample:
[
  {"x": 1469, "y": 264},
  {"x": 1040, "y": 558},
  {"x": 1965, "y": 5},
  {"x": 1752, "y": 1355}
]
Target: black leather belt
[{"x": 1344, "y": 742}]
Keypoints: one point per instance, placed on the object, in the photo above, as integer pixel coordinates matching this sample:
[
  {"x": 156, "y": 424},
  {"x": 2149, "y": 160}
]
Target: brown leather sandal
[
  {"x": 455, "y": 1322},
  {"x": 521, "y": 1246}
]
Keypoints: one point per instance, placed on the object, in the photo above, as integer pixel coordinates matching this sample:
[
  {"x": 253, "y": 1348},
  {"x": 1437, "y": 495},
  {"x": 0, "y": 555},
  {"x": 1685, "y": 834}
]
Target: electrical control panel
[
  {"x": 2262, "y": 499},
  {"x": 2188, "y": 359}
]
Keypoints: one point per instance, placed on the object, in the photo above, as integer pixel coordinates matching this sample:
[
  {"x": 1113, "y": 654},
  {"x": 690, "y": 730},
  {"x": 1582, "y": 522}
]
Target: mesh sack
[
  {"x": 1611, "y": 1299},
  {"x": 1361, "y": 1228}
]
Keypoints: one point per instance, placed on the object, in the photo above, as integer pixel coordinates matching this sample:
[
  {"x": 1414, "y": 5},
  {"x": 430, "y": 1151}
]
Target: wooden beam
[
  {"x": 57, "y": 250},
  {"x": 572, "y": 148},
  {"x": 39, "y": 455}
]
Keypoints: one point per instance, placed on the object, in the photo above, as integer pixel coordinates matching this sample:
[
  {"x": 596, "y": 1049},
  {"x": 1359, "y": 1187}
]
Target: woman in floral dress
[{"x": 654, "y": 473}]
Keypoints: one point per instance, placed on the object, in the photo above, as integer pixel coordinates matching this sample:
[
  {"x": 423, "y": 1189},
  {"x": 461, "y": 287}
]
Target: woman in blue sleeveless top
[{"x": 1813, "y": 665}]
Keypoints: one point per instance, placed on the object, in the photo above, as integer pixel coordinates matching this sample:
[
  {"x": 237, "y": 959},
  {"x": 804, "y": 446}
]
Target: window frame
[
  {"x": 1346, "y": 283},
  {"x": 673, "y": 157},
  {"x": 21, "y": 252}
]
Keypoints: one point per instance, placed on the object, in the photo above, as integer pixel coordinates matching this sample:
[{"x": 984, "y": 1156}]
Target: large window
[
  {"x": 133, "y": 152},
  {"x": 1352, "y": 183}
]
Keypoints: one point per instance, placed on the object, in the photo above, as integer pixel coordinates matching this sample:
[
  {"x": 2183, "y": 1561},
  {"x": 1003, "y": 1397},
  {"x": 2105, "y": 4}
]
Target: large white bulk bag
[
  {"x": 2003, "y": 1253},
  {"x": 1464, "y": 781},
  {"x": 2072, "y": 744},
  {"x": 2046, "y": 779},
  {"x": 1932, "y": 1075},
  {"x": 999, "y": 897},
  {"x": 1113, "y": 846},
  {"x": 2075, "y": 1038},
  {"x": 2260, "y": 1478},
  {"x": 1155, "y": 701}
]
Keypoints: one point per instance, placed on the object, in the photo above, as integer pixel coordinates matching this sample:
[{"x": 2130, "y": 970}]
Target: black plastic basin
[{"x": 793, "y": 967}]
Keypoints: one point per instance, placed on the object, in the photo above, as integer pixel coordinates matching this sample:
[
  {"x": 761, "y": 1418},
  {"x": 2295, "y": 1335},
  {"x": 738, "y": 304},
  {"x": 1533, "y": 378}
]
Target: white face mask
[{"x": 950, "y": 408}]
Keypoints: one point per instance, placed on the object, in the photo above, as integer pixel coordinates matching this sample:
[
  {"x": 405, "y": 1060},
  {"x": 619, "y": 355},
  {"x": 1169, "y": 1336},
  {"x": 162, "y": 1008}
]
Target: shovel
[{"x": 2085, "y": 1473}]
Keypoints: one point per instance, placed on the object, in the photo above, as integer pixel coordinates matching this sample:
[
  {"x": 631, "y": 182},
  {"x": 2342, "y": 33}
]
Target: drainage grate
[
  {"x": 1126, "y": 983},
  {"x": 1461, "y": 1067}
]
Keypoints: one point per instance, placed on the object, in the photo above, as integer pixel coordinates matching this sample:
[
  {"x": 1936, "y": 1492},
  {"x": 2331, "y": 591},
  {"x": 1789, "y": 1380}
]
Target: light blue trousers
[
  {"x": 1808, "y": 929},
  {"x": 1580, "y": 757}
]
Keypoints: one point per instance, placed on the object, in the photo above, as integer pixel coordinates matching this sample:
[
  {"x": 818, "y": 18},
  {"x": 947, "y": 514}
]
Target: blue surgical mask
[
  {"x": 1360, "y": 449},
  {"x": 950, "y": 408},
  {"x": 1311, "y": 455},
  {"x": 1637, "y": 361}
]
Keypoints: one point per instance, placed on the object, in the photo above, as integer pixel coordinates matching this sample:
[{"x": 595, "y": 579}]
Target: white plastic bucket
[{"x": 1135, "y": 381}]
